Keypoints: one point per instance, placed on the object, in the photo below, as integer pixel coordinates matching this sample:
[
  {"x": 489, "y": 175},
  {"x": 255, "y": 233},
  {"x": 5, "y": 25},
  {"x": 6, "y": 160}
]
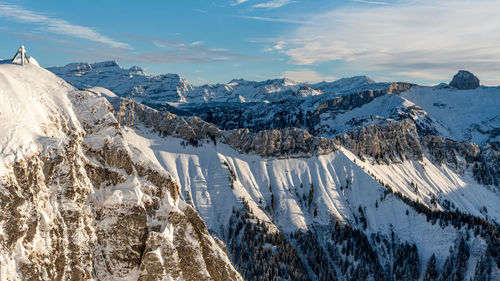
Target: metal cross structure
[{"x": 21, "y": 52}]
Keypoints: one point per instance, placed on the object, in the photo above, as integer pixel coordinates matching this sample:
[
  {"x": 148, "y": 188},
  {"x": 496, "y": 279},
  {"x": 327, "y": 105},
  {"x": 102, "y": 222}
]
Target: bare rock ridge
[
  {"x": 289, "y": 142},
  {"x": 465, "y": 80},
  {"x": 84, "y": 206}
]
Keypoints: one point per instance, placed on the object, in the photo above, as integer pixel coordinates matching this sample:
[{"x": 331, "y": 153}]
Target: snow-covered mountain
[
  {"x": 347, "y": 180},
  {"x": 78, "y": 204},
  {"x": 171, "y": 88}
]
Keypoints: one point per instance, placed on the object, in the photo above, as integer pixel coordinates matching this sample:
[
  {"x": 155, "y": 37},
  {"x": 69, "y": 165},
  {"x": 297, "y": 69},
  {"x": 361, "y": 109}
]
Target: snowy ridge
[
  {"x": 37, "y": 108},
  {"x": 471, "y": 115}
]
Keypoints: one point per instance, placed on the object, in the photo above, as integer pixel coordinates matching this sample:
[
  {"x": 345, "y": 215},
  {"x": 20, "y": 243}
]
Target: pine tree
[{"x": 431, "y": 271}]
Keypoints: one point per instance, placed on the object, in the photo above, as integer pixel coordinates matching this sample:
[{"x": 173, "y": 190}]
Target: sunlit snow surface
[
  {"x": 470, "y": 115},
  {"x": 34, "y": 105}
]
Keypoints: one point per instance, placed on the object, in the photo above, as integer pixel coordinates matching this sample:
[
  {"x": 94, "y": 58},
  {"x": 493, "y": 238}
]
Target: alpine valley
[{"x": 113, "y": 174}]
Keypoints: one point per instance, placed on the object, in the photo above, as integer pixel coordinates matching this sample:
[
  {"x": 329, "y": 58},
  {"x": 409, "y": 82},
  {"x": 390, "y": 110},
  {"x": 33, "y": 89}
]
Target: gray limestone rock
[{"x": 465, "y": 80}]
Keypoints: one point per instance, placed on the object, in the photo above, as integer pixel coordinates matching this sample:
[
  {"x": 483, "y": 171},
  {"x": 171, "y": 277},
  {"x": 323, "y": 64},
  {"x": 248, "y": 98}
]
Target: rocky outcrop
[
  {"x": 291, "y": 142},
  {"x": 130, "y": 113},
  {"x": 455, "y": 154},
  {"x": 395, "y": 141},
  {"x": 173, "y": 256},
  {"x": 491, "y": 162},
  {"x": 465, "y": 80}
]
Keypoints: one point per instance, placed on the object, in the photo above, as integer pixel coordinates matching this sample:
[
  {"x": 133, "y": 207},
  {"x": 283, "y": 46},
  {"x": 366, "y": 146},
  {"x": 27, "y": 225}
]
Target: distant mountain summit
[{"x": 465, "y": 80}]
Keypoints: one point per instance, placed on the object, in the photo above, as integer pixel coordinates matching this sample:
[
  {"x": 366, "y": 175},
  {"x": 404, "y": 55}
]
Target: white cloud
[
  {"x": 370, "y": 2},
  {"x": 57, "y": 26},
  {"x": 273, "y": 4},
  {"x": 284, "y": 20},
  {"x": 238, "y": 2},
  {"x": 306, "y": 75},
  {"x": 407, "y": 36}
]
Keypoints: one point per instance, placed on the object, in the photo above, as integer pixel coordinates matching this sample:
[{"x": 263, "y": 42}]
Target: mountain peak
[{"x": 465, "y": 80}]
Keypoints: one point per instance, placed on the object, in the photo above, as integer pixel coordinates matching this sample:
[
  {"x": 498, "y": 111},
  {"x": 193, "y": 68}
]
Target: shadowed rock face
[
  {"x": 465, "y": 80},
  {"x": 394, "y": 142}
]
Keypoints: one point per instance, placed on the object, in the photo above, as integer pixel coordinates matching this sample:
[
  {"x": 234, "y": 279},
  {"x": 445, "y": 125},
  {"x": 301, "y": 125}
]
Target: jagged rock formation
[
  {"x": 291, "y": 142},
  {"x": 83, "y": 206},
  {"x": 465, "y": 80},
  {"x": 390, "y": 143},
  {"x": 461, "y": 156}
]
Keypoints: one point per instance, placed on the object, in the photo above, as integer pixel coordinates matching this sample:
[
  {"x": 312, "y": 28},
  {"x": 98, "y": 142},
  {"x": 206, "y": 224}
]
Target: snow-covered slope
[
  {"x": 74, "y": 203},
  {"x": 36, "y": 108},
  {"x": 308, "y": 193},
  {"x": 414, "y": 200},
  {"x": 472, "y": 115}
]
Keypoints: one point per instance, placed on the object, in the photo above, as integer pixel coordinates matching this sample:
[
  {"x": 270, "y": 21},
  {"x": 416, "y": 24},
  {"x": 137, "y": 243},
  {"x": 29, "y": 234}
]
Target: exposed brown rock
[{"x": 55, "y": 204}]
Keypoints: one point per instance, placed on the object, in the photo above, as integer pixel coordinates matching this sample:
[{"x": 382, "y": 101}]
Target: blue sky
[{"x": 207, "y": 41}]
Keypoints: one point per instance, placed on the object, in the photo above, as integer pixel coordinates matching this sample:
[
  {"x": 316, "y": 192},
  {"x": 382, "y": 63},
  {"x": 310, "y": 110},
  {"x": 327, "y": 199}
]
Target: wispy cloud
[
  {"x": 273, "y": 4},
  {"x": 166, "y": 52},
  {"x": 370, "y": 2},
  {"x": 270, "y": 4},
  {"x": 238, "y": 2},
  {"x": 57, "y": 26},
  {"x": 283, "y": 20},
  {"x": 405, "y": 37}
]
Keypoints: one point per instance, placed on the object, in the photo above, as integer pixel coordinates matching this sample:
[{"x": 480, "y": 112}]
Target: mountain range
[{"x": 114, "y": 174}]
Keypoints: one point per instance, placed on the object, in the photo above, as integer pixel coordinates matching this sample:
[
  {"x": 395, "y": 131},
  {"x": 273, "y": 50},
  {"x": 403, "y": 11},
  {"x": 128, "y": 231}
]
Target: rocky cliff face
[
  {"x": 85, "y": 207},
  {"x": 291, "y": 142},
  {"x": 465, "y": 80},
  {"x": 483, "y": 162},
  {"x": 393, "y": 142}
]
